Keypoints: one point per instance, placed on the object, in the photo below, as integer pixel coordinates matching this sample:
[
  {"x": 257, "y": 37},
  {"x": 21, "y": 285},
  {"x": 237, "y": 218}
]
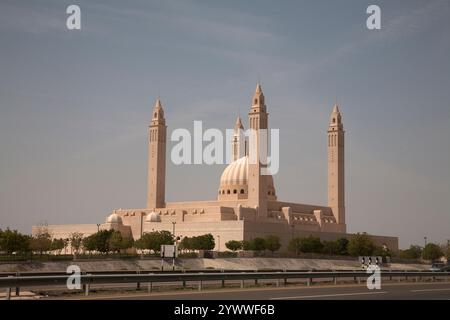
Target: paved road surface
[{"x": 409, "y": 291}]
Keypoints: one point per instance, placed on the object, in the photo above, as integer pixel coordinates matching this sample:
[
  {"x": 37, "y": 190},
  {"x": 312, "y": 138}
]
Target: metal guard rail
[{"x": 51, "y": 280}]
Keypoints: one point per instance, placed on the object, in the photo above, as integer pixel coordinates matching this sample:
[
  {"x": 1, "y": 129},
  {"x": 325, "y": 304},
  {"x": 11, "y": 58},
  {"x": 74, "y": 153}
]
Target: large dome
[
  {"x": 234, "y": 180},
  {"x": 236, "y": 173}
]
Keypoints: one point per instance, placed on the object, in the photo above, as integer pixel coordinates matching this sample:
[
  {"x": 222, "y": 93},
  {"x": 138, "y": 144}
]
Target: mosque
[{"x": 247, "y": 204}]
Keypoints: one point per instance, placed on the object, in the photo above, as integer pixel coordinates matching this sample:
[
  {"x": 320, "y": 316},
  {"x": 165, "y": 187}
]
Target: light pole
[
  {"x": 425, "y": 239},
  {"x": 98, "y": 227},
  {"x": 174, "y": 245},
  {"x": 173, "y": 228},
  {"x": 218, "y": 243}
]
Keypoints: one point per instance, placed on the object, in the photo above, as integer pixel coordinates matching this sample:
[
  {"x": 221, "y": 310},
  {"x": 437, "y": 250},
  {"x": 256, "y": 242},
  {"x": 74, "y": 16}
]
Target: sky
[{"x": 75, "y": 104}]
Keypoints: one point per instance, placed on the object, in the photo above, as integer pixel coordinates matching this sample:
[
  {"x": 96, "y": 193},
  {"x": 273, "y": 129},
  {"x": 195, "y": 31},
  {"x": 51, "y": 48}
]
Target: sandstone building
[{"x": 247, "y": 204}]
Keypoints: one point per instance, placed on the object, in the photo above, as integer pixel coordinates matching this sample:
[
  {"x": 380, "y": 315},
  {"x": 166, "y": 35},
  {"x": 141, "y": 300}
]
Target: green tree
[
  {"x": 13, "y": 241},
  {"x": 76, "y": 241},
  {"x": 432, "y": 252},
  {"x": 89, "y": 243},
  {"x": 57, "y": 245},
  {"x": 246, "y": 245},
  {"x": 117, "y": 242},
  {"x": 447, "y": 252},
  {"x": 154, "y": 240},
  {"x": 308, "y": 244},
  {"x": 361, "y": 244},
  {"x": 204, "y": 242},
  {"x": 272, "y": 243},
  {"x": 41, "y": 243},
  {"x": 258, "y": 244},
  {"x": 186, "y": 244},
  {"x": 413, "y": 252},
  {"x": 336, "y": 247},
  {"x": 98, "y": 241},
  {"x": 342, "y": 246},
  {"x": 234, "y": 245},
  {"x": 330, "y": 247}
]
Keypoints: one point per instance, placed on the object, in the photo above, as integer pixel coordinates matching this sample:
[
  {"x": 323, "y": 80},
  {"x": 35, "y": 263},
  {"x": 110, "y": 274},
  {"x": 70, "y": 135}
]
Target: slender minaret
[
  {"x": 336, "y": 185},
  {"x": 237, "y": 145},
  {"x": 257, "y": 185},
  {"x": 156, "y": 158}
]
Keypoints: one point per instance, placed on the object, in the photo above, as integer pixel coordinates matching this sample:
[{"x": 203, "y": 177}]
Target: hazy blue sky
[{"x": 75, "y": 105}]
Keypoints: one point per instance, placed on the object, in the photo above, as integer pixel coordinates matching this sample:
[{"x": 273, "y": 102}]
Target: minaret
[
  {"x": 237, "y": 146},
  {"x": 257, "y": 185},
  {"x": 156, "y": 158},
  {"x": 336, "y": 185}
]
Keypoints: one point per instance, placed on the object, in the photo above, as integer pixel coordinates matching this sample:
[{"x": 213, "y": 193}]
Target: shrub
[
  {"x": 233, "y": 245},
  {"x": 361, "y": 245}
]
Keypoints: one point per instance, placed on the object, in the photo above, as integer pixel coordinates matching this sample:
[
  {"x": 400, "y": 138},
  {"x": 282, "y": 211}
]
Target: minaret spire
[
  {"x": 237, "y": 143},
  {"x": 156, "y": 157},
  {"x": 257, "y": 183},
  {"x": 336, "y": 185}
]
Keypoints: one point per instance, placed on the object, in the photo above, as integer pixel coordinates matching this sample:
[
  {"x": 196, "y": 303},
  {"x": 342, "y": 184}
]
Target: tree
[
  {"x": 361, "y": 244},
  {"x": 154, "y": 240},
  {"x": 308, "y": 244},
  {"x": 41, "y": 243},
  {"x": 234, "y": 245},
  {"x": 13, "y": 241},
  {"x": 57, "y": 245},
  {"x": 246, "y": 245},
  {"x": 342, "y": 246},
  {"x": 186, "y": 244},
  {"x": 413, "y": 252},
  {"x": 258, "y": 244},
  {"x": 89, "y": 243},
  {"x": 117, "y": 242},
  {"x": 272, "y": 243},
  {"x": 204, "y": 242},
  {"x": 98, "y": 241},
  {"x": 447, "y": 252},
  {"x": 76, "y": 241},
  {"x": 432, "y": 252},
  {"x": 336, "y": 247},
  {"x": 330, "y": 247}
]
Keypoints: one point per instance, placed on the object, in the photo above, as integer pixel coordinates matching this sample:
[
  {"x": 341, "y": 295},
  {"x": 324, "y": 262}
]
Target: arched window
[
  {"x": 256, "y": 101},
  {"x": 334, "y": 120},
  {"x": 234, "y": 191},
  {"x": 242, "y": 191},
  {"x": 228, "y": 191}
]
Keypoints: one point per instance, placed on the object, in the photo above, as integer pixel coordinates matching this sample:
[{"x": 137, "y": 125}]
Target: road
[{"x": 390, "y": 291}]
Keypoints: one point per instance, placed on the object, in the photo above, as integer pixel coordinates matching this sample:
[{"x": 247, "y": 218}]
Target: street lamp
[
  {"x": 173, "y": 228},
  {"x": 425, "y": 239},
  {"x": 98, "y": 227}
]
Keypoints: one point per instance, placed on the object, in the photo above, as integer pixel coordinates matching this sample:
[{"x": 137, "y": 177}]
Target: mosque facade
[{"x": 247, "y": 204}]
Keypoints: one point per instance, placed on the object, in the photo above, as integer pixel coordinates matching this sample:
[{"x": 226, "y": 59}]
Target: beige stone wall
[{"x": 63, "y": 231}]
